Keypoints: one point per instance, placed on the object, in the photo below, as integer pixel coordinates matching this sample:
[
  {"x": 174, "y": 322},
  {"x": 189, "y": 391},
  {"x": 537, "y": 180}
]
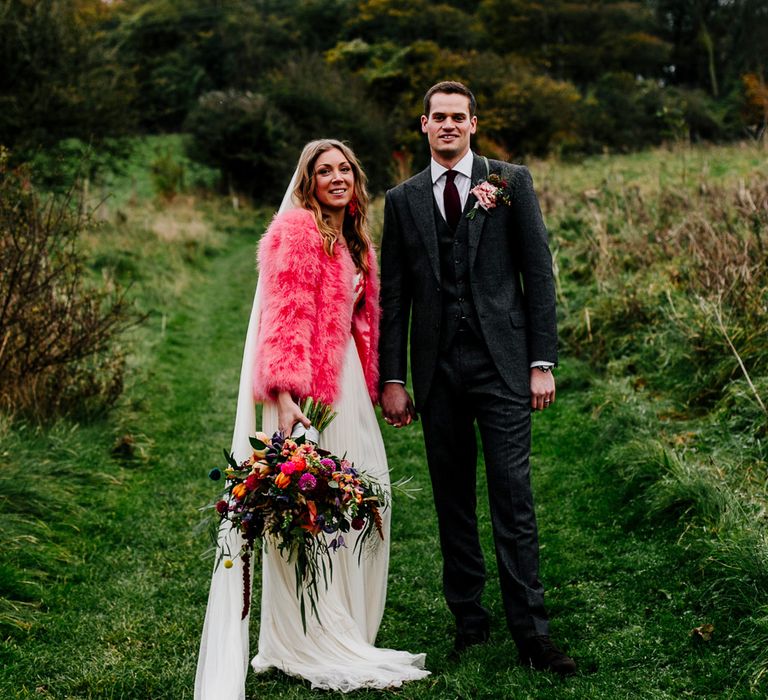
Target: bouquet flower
[
  {"x": 490, "y": 193},
  {"x": 293, "y": 495}
]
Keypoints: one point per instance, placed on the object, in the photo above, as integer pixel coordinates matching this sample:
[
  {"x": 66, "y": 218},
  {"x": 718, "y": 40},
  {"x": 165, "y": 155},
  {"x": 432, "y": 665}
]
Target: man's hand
[
  {"x": 542, "y": 389},
  {"x": 396, "y": 405}
]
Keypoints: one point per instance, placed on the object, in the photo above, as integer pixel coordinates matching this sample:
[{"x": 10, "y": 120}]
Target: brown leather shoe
[{"x": 542, "y": 654}]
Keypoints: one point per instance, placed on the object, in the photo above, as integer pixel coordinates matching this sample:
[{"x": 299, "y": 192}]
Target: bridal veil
[{"x": 223, "y": 659}]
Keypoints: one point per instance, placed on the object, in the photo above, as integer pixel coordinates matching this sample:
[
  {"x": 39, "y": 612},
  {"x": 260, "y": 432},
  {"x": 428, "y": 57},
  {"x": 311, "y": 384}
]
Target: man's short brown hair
[{"x": 450, "y": 87}]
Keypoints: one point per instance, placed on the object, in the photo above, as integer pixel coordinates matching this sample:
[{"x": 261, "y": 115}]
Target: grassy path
[{"x": 122, "y": 618}]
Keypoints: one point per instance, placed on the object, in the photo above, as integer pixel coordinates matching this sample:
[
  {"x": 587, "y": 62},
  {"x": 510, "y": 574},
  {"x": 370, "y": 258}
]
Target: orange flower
[
  {"x": 239, "y": 490},
  {"x": 282, "y": 480},
  {"x": 299, "y": 462},
  {"x": 311, "y": 526}
]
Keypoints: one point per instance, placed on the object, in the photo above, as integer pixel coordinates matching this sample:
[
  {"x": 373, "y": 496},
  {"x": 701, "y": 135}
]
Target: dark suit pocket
[{"x": 517, "y": 318}]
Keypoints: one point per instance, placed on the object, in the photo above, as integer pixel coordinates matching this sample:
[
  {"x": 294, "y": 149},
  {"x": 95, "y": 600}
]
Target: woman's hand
[{"x": 289, "y": 413}]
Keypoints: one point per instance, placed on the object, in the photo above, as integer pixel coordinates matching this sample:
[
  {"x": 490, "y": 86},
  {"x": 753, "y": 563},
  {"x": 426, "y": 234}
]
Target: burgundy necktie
[{"x": 451, "y": 200}]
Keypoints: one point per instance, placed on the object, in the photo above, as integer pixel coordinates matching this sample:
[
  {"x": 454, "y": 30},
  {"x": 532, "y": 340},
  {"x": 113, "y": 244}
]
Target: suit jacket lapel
[
  {"x": 421, "y": 200},
  {"x": 477, "y": 222}
]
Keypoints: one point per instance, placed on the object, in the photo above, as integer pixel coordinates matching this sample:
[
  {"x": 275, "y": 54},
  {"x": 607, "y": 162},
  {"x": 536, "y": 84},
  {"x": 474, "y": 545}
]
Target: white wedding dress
[{"x": 337, "y": 652}]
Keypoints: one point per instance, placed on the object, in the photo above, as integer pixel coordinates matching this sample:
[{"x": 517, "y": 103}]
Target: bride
[{"x": 313, "y": 332}]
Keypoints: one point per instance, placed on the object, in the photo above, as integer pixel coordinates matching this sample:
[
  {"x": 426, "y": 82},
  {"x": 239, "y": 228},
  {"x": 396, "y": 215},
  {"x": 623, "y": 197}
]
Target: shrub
[
  {"x": 255, "y": 138},
  {"x": 327, "y": 102},
  {"x": 167, "y": 174},
  {"x": 534, "y": 114},
  {"x": 57, "y": 330},
  {"x": 246, "y": 137},
  {"x": 624, "y": 113}
]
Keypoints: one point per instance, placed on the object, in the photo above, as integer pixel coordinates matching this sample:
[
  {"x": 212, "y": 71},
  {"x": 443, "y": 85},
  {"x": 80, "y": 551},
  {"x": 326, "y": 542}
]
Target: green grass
[
  {"x": 103, "y": 588},
  {"x": 123, "y": 604}
]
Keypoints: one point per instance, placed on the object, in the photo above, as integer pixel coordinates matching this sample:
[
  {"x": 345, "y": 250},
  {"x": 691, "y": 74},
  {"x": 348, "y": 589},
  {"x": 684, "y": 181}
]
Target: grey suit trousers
[{"x": 467, "y": 388}]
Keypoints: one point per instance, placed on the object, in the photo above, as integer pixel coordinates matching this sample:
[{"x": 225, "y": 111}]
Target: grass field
[{"x": 102, "y": 581}]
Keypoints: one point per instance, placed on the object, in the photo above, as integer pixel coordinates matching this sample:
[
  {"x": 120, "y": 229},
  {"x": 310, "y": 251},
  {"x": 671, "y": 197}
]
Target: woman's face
[{"x": 334, "y": 180}]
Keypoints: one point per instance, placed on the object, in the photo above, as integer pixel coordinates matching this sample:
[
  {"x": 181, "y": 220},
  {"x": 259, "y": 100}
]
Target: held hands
[
  {"x": 289, "y": 413},
  {"x": 396, "y": 405},
  {"x": 542, "y": 389}
]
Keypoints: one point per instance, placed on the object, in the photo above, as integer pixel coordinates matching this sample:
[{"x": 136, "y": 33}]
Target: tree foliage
[
  {"x": 60, "y": 76},
  {"x": 560, "y": 76}
]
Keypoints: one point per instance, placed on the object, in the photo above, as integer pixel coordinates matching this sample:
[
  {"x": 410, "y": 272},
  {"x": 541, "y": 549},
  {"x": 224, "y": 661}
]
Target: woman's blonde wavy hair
[{"x": 355, "y": 227}]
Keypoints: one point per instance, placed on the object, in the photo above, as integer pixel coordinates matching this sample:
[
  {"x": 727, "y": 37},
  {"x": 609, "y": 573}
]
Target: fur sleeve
[{"x": 290, "y": 269}]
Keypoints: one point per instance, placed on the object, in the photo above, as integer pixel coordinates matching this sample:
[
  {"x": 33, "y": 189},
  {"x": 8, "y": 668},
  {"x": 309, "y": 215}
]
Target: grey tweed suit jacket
[{"x": 510, "y": 271}]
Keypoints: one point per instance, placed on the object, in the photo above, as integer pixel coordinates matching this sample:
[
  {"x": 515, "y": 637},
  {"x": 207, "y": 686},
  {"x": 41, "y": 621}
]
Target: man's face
[{"x": 448, "y": 127}]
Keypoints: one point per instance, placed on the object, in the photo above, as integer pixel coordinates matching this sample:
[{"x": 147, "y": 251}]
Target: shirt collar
[{"x": 464, "y": 166}]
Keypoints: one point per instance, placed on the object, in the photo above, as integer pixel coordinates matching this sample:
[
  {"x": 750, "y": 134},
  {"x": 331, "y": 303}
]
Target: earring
[{"x": 353, "y": 206}]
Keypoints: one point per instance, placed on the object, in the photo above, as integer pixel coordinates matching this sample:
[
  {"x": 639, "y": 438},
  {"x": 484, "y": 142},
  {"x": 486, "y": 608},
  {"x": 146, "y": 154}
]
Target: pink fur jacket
[{"x": 308, "y": 311}]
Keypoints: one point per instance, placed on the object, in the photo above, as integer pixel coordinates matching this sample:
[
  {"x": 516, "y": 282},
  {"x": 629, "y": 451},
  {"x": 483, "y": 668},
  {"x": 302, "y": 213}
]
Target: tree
[
  {"x": 755, "y": 104},
  {"x": 246, "y": 137},
  {"x": 180, "y": 49},
  {"x": 576, "y": 41},
  {"x": 408, "y": 21},
  {"x": 532, "y": 114},
  {"x": 60, "y": 78},
  {"x": 322, "y": 101}
]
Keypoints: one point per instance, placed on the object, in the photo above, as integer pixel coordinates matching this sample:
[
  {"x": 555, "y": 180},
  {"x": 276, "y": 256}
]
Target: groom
[{"x": 477, "y": 282}]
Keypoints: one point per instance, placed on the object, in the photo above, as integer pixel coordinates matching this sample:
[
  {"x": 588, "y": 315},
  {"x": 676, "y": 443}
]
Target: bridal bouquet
[{"x": 293, "y": 495}]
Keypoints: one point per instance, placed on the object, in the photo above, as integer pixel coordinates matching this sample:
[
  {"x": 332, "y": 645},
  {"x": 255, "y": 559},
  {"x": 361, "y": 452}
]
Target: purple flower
[
  {"x": 335, "y": 543},
  {"x": 307, "y": 482}
]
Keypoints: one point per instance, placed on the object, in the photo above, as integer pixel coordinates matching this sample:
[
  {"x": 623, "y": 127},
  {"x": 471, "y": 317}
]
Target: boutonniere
[{"x": 490, "y": 193}]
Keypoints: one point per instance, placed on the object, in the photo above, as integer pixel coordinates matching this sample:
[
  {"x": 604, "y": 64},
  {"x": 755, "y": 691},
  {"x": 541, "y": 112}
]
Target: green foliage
[
  {"x": 60, "y": 164},
  {"x": 651, "y": 513},
  {"x": 320, "y": 102},
  {"x": 411, "y": 21},
  {"x": 167, "y": 174},
  {"x": 247, "y": 137},
  {"x": 557, "y": 77},
  {"x": 178, "y": 50},
  {"x": 533, "y": 114},
  {"x": 59, "y": 352},
  {"x": 60, "y": 76},
  {"x": 576, "y": 41},
  {"x": 256, "y": 138}
]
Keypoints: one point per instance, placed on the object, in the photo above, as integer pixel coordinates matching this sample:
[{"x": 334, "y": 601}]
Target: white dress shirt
[{"x": 463, "y": 180}]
